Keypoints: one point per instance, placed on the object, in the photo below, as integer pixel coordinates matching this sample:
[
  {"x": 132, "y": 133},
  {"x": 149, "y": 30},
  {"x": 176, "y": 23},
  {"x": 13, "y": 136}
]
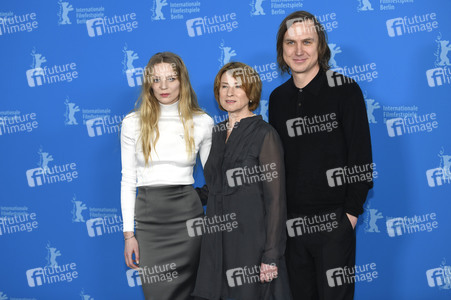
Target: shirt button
[{"x": 299, "y": 104}]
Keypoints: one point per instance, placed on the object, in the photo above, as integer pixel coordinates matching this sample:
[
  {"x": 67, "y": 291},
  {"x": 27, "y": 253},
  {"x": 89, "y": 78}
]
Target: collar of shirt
[{"x": 314, "y": 86}]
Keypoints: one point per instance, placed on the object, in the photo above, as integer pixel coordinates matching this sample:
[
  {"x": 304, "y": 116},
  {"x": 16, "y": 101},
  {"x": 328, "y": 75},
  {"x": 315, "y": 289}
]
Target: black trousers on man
[{"x": 321, "y": 262}]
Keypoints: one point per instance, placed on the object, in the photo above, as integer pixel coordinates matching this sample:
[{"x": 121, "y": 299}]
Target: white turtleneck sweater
[{"x": 169, "y": 163}]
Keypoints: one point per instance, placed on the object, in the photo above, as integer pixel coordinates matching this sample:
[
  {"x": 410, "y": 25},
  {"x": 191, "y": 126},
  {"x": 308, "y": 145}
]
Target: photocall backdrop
[{"x": 72, "y": 70}]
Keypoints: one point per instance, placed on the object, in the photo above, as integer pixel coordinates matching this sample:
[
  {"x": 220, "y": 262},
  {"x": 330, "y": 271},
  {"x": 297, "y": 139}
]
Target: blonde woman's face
[{"x": 165, "y": 83}]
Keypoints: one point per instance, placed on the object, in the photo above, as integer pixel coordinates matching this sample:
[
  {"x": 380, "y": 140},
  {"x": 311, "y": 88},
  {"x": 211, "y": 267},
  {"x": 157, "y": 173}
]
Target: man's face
[{"x": 300, "y": 48}]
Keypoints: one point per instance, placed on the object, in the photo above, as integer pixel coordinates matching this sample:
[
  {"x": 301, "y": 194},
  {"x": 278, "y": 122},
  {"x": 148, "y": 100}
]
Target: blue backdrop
[{"x": 71, "y": 72}]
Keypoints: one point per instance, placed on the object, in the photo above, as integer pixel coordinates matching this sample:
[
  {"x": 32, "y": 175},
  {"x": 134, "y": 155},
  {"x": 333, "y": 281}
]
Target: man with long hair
[{"x": 321, "y": 118}]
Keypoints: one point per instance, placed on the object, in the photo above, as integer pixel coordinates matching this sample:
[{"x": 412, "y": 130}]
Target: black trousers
[{"x": 320, "y": 256}]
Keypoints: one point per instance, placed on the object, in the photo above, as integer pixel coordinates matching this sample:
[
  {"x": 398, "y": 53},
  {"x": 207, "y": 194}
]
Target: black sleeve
[
  {"x": 203, "y": 194},
  {"x": 358, "y": 142},
  {"x": 274, "y": 198}
]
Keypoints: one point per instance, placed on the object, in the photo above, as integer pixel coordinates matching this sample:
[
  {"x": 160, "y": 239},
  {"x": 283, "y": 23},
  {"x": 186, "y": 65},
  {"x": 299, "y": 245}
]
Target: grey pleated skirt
[{"x": 169, "y": 256}]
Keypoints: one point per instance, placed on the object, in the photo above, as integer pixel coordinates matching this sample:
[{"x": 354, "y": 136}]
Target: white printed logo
[
  {"x": 395, "y": 227},
  {"x": 435, "y": 277},
  {"x": 95, "y": 27},
  {"x": 133, "y": 278},
  {"x": 195, "y": 26},
  {"x": 95, "y": 227},
  {"x": 411, "y": 125},
  {"x": 395, "y": 27},
  {"x": 95, "y": 127}
]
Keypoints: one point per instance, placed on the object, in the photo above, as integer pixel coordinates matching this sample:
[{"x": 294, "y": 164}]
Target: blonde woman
[{"x": 160, "y": 140}]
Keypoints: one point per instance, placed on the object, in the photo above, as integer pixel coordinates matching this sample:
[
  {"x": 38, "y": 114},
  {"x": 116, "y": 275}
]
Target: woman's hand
[
  {"x": 267, "y": 272},
  {"x": 131, "y": 246}
]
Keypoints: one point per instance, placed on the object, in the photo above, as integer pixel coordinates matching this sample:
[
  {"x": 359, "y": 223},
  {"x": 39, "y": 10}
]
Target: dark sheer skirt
[{"x": 169, "y": 256}]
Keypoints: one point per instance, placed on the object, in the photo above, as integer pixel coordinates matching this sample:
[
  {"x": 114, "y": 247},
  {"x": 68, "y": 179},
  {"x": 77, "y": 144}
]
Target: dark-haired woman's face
[
  {"x": 300, "y": 48},
  {"x": 232, "y": 96},
  {"x": 165, "y": 83}
]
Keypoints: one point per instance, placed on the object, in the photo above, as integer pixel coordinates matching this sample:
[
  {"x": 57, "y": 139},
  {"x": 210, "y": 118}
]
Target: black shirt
[{"x": 325, "y": 134}]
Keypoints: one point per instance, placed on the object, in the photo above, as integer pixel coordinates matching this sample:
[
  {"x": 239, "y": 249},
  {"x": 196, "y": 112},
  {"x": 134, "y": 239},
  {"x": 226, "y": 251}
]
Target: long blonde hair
[{"x": 149, "y": 108}]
